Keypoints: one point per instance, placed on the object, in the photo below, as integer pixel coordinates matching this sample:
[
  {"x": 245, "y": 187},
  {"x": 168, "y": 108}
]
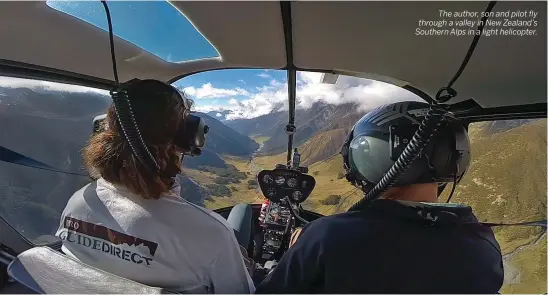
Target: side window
[
  {"x": 50, "y": 123},
  {"x": 507, "y": 183}
]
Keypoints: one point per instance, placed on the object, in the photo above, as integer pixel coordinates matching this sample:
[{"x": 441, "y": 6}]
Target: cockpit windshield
[{"x": 253, "y": 104}]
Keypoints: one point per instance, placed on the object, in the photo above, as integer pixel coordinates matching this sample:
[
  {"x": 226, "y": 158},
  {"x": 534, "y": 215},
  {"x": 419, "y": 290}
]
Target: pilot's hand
[
  {"x": 249, "y": 263},
  {"x": 294, "y": 236}
]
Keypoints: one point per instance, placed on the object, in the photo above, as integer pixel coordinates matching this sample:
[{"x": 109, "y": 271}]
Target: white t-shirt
[{"x": 168, "y": 243}]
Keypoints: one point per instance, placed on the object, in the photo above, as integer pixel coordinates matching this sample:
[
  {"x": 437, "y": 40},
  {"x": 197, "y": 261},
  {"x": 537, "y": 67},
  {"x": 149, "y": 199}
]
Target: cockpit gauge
[
  {"x": 282, "y": 182},
  {"x": 297, "y": 196},
  {"x": 268, "y": 179},
  {"x": 292, "y": 182}
]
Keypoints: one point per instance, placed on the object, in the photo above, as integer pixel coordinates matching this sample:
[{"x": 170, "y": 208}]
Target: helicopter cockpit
[{"x": 292, "y": 145}]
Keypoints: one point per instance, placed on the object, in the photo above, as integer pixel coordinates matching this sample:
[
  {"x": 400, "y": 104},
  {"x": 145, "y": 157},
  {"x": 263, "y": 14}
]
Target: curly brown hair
[{"x": 159, "y": 111}]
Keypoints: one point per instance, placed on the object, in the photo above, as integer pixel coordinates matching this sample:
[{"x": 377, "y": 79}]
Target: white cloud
[
  {"x": 9, "y": 82},
  {"x": 264, "y": 75},
  {"x": 242, "y": 81},
  {"x": 218, "y": 115},
  {"x": 273, "y": 96},
  {"x": 367, "y": 94},
  {"x": 208, "y": 91}
]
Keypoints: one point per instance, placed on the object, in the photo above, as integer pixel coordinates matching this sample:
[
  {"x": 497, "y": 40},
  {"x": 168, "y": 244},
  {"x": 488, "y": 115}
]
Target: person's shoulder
[
  {"x": 208, "y": 214},
  {"x": 336, "y": 220},
  {"x": 77, "y": 201},
  {"x": 179, "y": 212},
  {"x": 332, "y": 225}
]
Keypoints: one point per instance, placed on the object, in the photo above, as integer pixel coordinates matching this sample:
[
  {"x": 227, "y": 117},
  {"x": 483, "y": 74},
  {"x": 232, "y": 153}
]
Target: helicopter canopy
[{"x": 376, "y": 39}]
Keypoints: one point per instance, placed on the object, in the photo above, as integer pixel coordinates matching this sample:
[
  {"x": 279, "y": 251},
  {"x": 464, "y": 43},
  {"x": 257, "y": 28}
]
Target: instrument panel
[{"x": 278, "y": 183}]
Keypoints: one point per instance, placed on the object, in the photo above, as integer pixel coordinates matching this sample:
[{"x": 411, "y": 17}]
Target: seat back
[{"x": 45, "y": 271}]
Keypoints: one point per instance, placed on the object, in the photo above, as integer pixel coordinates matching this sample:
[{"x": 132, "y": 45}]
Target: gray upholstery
[{"x": 45, "y": 271}]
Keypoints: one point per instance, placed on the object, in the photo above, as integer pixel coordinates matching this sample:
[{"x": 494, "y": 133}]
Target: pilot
[
  {"x": 134, "y": 224},
  {"x": 405, "y": 242}
]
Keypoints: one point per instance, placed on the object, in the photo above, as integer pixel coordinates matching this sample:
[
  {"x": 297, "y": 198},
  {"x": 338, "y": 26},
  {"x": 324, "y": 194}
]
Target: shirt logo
[{"x": 106, "y": 240}]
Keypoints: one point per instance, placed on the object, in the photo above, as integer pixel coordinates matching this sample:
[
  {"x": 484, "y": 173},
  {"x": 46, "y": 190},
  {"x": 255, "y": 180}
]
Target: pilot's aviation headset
[
  {"x": 190, "y": 137},
  {"x": 378, "y": 139}
]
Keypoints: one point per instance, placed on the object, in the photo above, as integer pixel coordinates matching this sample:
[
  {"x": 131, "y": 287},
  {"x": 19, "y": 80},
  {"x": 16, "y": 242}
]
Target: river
[
  {"x": 251, "y": 164},
  {"x": 512, "y": 274}
]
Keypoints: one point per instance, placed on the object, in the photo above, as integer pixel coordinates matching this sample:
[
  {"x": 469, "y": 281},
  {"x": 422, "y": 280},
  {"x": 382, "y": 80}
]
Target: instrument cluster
[{"x": 278, "y": 183}]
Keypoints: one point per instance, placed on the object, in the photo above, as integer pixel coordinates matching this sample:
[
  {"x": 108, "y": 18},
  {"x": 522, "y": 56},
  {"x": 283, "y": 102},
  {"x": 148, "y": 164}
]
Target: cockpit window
[
  {"x": 507, "y": 183},
  {"x": 250, "y": 108},
  {"x": 156, "y": 26},
  {"x": 239, "y": 105},
  {"x": 50, "y": 123}
]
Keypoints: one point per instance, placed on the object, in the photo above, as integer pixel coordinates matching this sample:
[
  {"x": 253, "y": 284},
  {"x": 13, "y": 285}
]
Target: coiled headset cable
[
  {"x": 427, "y": 129},
  {"x": 124, "y": 113}
]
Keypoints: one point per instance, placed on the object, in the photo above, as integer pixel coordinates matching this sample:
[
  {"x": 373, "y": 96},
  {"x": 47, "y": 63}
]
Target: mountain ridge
[{"x": 314, "y": 120}]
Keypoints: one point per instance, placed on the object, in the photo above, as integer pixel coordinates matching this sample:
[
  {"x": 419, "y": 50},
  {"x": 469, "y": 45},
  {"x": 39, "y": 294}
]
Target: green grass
[{"x": 241, "y": 194}]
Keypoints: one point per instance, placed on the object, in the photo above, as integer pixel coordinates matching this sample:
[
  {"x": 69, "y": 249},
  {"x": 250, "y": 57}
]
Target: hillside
[
  {"x": 509, "y": 165},
  {"x": 507, "y": 183},
  {"x": 320, "y": 117},
  {"x": 322, "y": 146},
  {"x": 52, "y": 128},
  {"x": 264, "y": 125},
  {"x": 221, "y": 140},
  {"x": 224, "y": 140}
]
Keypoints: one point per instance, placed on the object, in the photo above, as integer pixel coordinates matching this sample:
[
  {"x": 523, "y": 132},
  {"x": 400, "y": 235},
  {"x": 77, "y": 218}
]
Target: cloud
[
  {"x": 218, "y": 115},
  {"x": 208, "y": 91},
  {"x": 9, "y": 82},
  {"x": 242, "y": 81},
  {"x": 366, "y": 94},
  {"x": 264, "y": 75}
]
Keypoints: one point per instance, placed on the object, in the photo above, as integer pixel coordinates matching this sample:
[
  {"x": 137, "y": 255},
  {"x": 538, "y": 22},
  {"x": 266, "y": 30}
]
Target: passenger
[
  {"x": 134, "y": 224},
  {"x": 405, "y": 242}
]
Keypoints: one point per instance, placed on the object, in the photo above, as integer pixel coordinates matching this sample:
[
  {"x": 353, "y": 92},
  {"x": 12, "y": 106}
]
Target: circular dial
[
  {"x": 271, "y": 192},
  {"x": 304, "y": 183},
  {"x": 292, "y": 182},
  {"x": 297, "y": 196},
  {"x": 267, "y": 179},
  {"x": 280, "y": 180}
]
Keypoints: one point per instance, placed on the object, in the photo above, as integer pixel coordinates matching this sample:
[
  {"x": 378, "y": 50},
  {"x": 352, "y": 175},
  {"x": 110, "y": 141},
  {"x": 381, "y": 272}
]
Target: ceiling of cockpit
[{"x": 367, "y": 37}]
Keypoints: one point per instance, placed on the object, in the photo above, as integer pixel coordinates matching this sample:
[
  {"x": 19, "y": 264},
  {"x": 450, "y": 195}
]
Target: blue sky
[
  {"x": 155, "y": 26},
  {"x": 161, "y": 29}
]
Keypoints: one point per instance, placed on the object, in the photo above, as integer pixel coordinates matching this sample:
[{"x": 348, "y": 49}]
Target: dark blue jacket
[{"x": 392, "y": 247}]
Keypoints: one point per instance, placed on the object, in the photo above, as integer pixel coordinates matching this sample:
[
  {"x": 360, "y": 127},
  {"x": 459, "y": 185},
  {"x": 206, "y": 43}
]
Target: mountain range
[
  {"x": 319, "y": 118},
  {"x": 221, "y": 140}
]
